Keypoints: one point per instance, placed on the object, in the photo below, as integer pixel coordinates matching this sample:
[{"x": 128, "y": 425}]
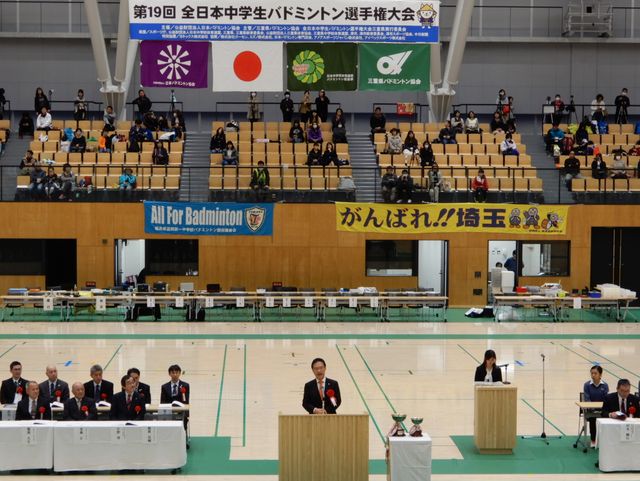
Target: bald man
[
  {"x": 53, "y": 386},
  {"x": 79, "y": 407}
]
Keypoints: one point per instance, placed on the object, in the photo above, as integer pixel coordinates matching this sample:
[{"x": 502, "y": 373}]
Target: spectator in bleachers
[
  {"x": 598, "y": 168},
  {"x": 25, "y": 126},
  {"x": 394, "y": 142},
  {"x": 67, "y": 182},
  {"x": 404, "y": 187},
  {"x": 80, "y": 106},
  {"x": 622, "y": 103},
  {"x": 305, "y": 107},
  {"x": 253, "y": 113},
  {"x": 230, "y": 155},
  {"x": 314, "y": 134},
  {"x": 143, "y": 103},
  {"x": 40, "y": 101},
  {"x": 480, "y": 187},
  {"x": 510, "y": 126},
  {"x": 159, "y": 156},
  {"x": 79, "y": 142},
  {"x": 218, "y": 141},
  {"x": 410, "y": 147},
  {"x": 296, "y": 134},
  {"x": 286, "y": 107},
  {"x": 447, "y": 134},
  {"x": 260, "y": 181},
  {"x": 127, "y": 180},
  {"x": 51, "y": 185},
  {"x": 27, "y": 163},
  {"x": 314, "y": 157},
  {"x": 388, "y": 185},
  {"x": 426, "y": 154},
  {"x": 619, "y": 167},
  {"x": 508, "y": 146},
  {"x": 314, "y": 118},
  {"x": 435, "y": 183},
  {"x": 581, "y": 134},
  {"x": 163, "y": 124},
  {"x": 109, "y": 119},
  {"x": 502, "y": 100},
  {"x": 104, "y": 142},
  {"x": 377, "y": 122},
  {"x": 635, "y": 150},
  {"x": 150, "y": 121},
  {"x": 134, "y": 145},
  {"x": 322, "y": 105},
  {"x": 339, "y": 133},
  {"x": 558, "y": 109},
  {"x": 177, "y": 131},
  {"x": 329, "y": 156},
  {"x": 43, "y": 121},
  {"x": 555, "y": 135},
  {"x": 598, "y": 109},
  {"x": 138, "y": 132},
  {"x": 584, "y": 148},
  {"x": 338, "y": 117},
  {"x": 178, "y": 119},
  {"x": 497, "y": 125},
  {"x": 457, "y": 122},
  {"x": 471, "y": 124},
  {"x": 508, "y": 113},
  {"x": 36, "y": 186},
  {"x": 571, "y": 169}
]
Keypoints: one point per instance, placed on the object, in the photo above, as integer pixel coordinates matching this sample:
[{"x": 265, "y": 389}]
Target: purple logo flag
[{"x": 174, "y": 64}]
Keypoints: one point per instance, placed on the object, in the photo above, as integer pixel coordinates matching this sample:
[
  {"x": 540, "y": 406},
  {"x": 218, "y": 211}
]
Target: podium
[
  {"x": 323, "y": 447},
  {"x": 495, "y": 418}
]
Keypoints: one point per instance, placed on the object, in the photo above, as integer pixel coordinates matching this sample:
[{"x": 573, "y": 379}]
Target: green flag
[
  {"x": 329, "y": 66},
  {"x": 394, "y": 67}
]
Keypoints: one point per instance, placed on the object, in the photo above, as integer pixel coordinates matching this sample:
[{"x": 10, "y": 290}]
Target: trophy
[
  {"x": 397, "y": 429},
  {"x": 416, "y": 429}
]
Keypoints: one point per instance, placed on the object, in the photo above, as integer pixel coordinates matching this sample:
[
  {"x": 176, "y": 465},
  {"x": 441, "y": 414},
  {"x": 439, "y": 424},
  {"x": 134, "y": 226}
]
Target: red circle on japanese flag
[{"x": 247, "y": 66}]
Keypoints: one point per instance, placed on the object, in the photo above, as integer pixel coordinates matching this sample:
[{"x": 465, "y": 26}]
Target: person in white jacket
[
  {"x": 43, "y": 121},
  {"x": 598, "y": 109},
  {"x": 508, "y": 146}
]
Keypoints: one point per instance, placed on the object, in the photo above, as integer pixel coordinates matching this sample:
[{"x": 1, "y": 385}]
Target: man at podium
[
  {"x": 321, "y": 395},
  {"x": 488, "y": 371}
]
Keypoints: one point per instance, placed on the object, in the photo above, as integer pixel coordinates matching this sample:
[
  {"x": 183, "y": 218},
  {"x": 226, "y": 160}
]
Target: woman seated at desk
[{"x": 488, "y": 371}]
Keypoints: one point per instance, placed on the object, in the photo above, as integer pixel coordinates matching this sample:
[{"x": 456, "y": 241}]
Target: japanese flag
[{"x": 247, "y": 66}]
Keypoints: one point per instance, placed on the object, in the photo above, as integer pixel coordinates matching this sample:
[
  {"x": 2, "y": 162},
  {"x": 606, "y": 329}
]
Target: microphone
[
  {"x": 332, "y": 397},
  {"x": 542, "y": 356}
]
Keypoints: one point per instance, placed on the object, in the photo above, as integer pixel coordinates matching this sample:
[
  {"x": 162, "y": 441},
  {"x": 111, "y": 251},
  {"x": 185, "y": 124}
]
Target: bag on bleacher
[
  {"x": 572, "y": 128},
  {"x": 346, "y": 183},
  {"x": 232, "y": 126},
  {"x": 65, "y": 146},
  {"x": 567, "y": 145},
  {"x": 603, "y": 127},
  {"x": 43, "y": 137},
  {"x": 637, "y": 128}
]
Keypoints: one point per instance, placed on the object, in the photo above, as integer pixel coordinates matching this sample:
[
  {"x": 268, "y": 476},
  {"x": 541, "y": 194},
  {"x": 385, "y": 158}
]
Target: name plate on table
[
  {"x": 373, "y": 302},
  {"x": 29, "y": 436},
  {"x": 286, "y": 302},
  {"x": 630, "y": 433},
  {"x": 117, "y": 435},
  {"x": 331, "y": 302},
  {"x": 47, "y": 303},
  {"x": 308, "y": 302},
  {"x": 179, "y": 301},
  {"x": 269, "y": 302},
  {"x": 150, "y": 435},
  {"x": 239, "y": 301},
  {"x": 101, "y": 304},
  {"x": 353, "y": 302},
  {"x": 151, "y": 302},
  {"x": 208, "y": 302},
  {"x": 81, "y": 435}
]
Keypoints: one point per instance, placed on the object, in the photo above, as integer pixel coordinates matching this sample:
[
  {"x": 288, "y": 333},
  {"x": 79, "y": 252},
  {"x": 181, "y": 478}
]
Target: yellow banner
[{"x": 434, "y": 218}]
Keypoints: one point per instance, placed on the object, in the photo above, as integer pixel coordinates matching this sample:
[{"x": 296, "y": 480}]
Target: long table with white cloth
[
  {"x": 618, "y": 444},
  {"x": 26, "y": 445}
]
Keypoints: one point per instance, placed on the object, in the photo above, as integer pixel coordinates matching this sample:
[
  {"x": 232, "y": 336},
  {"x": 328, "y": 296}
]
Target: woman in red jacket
[{"x": 480, "y": 187}]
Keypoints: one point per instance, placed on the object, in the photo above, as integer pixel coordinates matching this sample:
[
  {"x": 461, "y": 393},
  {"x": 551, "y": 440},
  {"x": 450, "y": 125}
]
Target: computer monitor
[
  {"x": 159, "y": 287},
  {"x": 213, "y": 288},
  {"x": 142, "y": 288},
  {"x": 187, "y": 287}
]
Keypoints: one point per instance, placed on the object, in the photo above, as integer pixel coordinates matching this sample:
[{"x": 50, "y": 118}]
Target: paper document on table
[
  {"x": 29, "y": 436},
  {"x": 577, "y": 302}
]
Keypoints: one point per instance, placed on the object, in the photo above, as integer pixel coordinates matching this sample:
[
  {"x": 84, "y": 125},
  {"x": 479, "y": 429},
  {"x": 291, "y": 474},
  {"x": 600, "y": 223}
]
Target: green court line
[
  {"x": 375, "y": 379},
  {"x": 344, "y": 361},
  {"x": 224, "y": 364},
  {"x": 545, "y": 418},
  {"x": 609, "y": 360},
  {"x": 112, "y": 357},
  {"x": 589, "y": 360},
  {"x": 244, "y": 400},
  {"x": 8, "y": 350},
  {"x": 470, "y": 355}
]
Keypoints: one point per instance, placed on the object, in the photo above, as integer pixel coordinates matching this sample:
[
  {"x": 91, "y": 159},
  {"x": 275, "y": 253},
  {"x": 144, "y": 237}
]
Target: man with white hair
[
  {"x": 33, "y": 405},
  {"x": 53, "y": 388}
]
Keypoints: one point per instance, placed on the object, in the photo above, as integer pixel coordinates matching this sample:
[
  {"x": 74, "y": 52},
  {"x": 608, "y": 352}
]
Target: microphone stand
[
  {"x": 543, "y": 436},
  {"x": 506, "y": 368}
]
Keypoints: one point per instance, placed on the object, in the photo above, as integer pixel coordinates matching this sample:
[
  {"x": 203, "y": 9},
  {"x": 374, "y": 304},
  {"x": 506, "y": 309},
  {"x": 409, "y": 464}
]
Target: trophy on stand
[
  {"x": 416, "y": 429},
  {"x": 397, "y": 429}
]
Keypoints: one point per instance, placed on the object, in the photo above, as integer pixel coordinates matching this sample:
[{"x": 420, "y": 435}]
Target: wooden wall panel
[{"x": 305, "y": 250}]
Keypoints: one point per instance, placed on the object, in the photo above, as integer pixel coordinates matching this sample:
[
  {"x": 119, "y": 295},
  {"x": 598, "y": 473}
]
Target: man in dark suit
[
  {"x": 321, "y": 395},
  {"x": 142, "y": 389},
  {"x": 79, "y": 407},
  {"x": 176, "y": 389},
  {"x": 33, "y": 405},
  {"x": 98, "y": 388},
  {"x": 621, "y": 400},
  {"x": 54, "y": 386},
  {"x": 127, "y": 405},
  {"x": 15, "y": 388}
]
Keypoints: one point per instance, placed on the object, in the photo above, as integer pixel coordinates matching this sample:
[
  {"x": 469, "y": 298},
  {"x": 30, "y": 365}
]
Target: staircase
[
  {"x": 13, "y": 151},
  {"x": 365, "y": 171},
  {"x": 194, "y": 186},
  {"x": 541, "y": 160}
]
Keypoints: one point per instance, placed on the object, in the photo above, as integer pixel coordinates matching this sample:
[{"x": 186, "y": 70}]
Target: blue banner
[{"x": 208, "y": 218}]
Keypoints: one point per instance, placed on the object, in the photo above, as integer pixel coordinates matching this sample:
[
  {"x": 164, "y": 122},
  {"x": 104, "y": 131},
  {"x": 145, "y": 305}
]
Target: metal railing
[
  {"x": 170, "y": 106},
  {"x": 393, "y": 116}
]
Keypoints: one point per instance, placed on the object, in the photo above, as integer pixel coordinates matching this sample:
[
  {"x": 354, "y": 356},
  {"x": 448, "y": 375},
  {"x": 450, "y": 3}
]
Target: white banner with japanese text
[{"x": 397, "y": 21}]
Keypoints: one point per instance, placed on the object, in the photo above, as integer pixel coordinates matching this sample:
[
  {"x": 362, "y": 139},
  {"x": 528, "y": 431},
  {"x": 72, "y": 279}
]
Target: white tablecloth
[
  {"x": 619, "y": 444},
  {"x": 410, "y": 458},
  {"x": 112, "y": 445},
  {"x": 26, "y": 445}
]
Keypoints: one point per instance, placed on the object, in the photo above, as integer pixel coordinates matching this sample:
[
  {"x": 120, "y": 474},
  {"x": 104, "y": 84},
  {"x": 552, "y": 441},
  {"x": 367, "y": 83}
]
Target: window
[
  {"x": 549, "y": 258},
  {"x": 171, "y": 257},
  {"x": 391, "y": 258}
]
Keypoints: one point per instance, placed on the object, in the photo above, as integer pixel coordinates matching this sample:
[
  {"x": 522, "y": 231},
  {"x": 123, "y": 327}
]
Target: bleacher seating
[{"x": 5, "y": 128}]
